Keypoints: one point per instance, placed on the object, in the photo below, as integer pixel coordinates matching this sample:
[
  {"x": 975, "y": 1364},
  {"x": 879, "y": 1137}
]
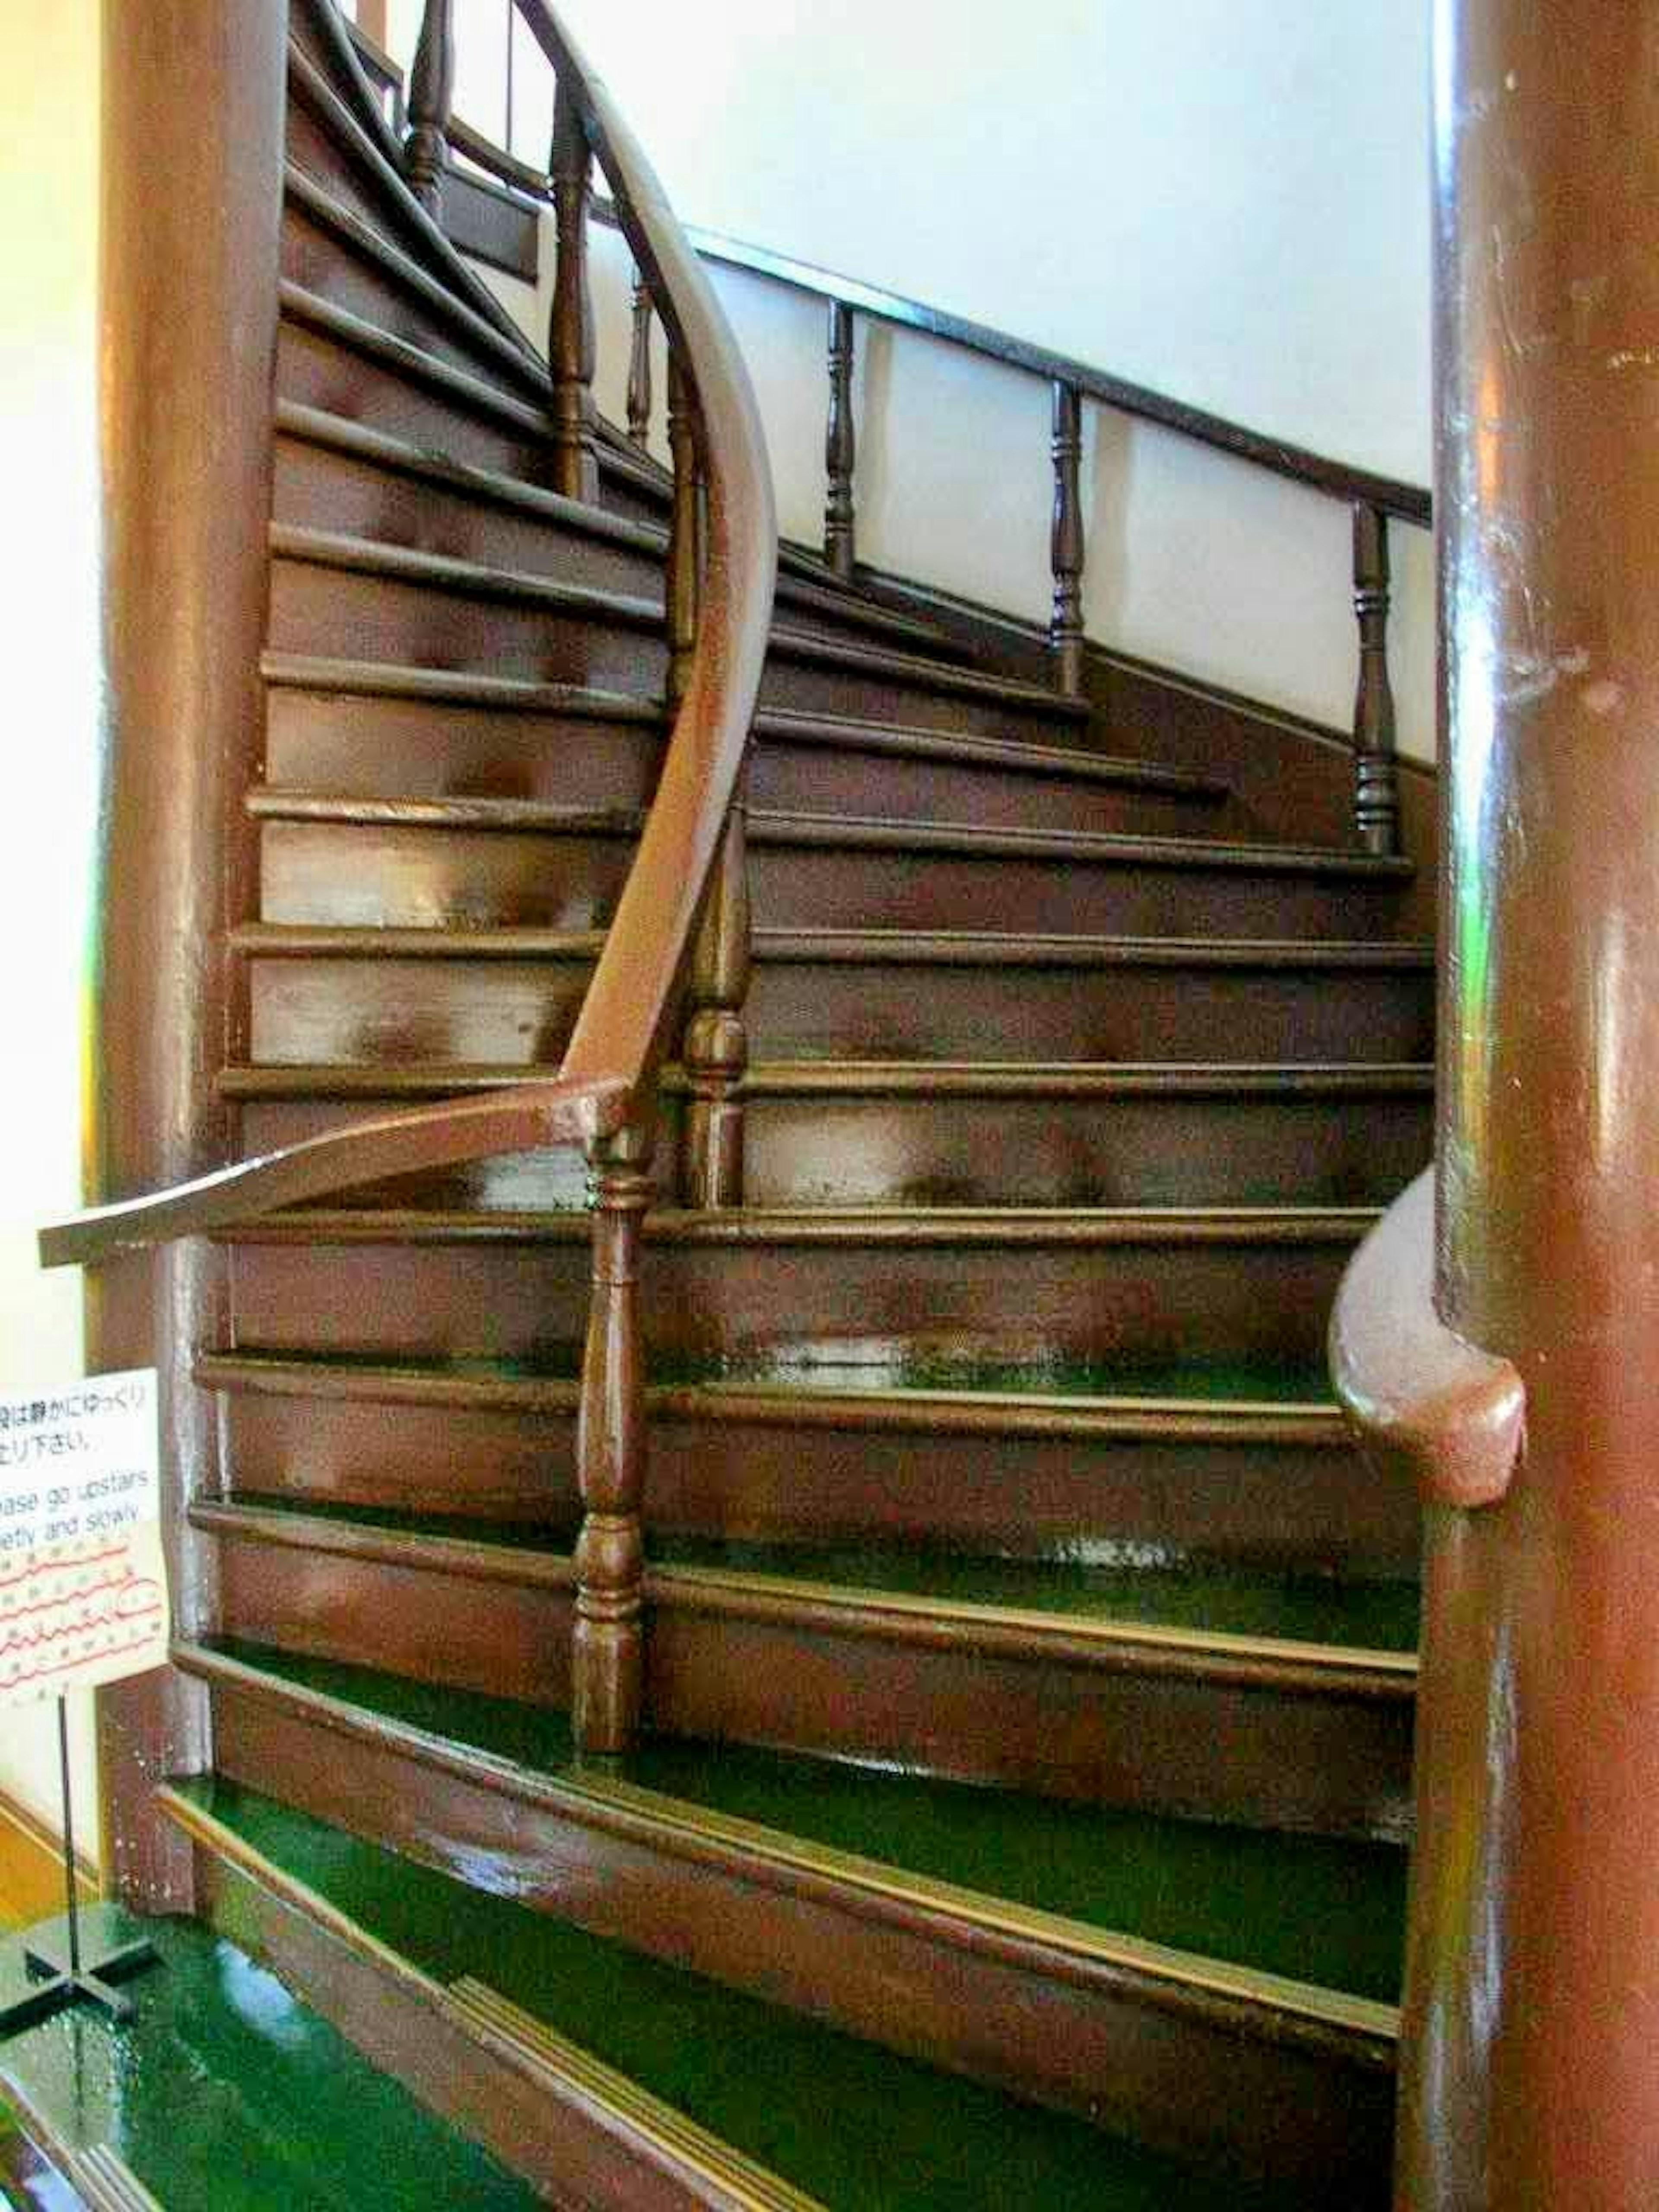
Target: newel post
[
  {"x": 1376, "y": 776},
  {"x": 608, "y": 1654},
  {"x": 570, "y": 346},
  {"x": 1528, "y": 2073},
  {"x": 431, "y": 97}
]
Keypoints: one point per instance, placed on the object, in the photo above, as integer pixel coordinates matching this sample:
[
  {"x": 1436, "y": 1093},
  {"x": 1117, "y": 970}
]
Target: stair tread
[
  {"x": 854, "y": 2126},
  {"x": 1193, "y": 1886},
  {"x": 300, "y": 304},
  {"x": 224, "y": 2093},
  {"x": 447, "y": 686}
]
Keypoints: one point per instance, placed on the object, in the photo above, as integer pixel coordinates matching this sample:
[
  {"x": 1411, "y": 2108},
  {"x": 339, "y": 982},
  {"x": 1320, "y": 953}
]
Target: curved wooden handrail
[
  {"x": 1425, "y": 1402},
  {"x": 1339, "y": 479},
  {"x": 613, "y": 1051}
]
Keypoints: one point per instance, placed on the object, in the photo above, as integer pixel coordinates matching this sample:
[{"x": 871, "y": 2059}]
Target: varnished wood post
[
  {"x": 639, "y": 367},
  {"x": 716, "y": 1055},
  {"x": 1375, "y": 786},
  {"x": 431, "y": 96},
  {"x": 840, "y": 446},
  {"x": 685, "y": 578},
  {"x": 192, "y": 170},
  {"x": 570, "y": 350},
  {"x": 609, "y": 1654},
  {"x": 1531, "y": 2015},
  {"x": 1065, "y": 539}
]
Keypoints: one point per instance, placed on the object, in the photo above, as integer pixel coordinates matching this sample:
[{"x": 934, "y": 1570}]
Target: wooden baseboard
[{"x": 31, "y": 1868}]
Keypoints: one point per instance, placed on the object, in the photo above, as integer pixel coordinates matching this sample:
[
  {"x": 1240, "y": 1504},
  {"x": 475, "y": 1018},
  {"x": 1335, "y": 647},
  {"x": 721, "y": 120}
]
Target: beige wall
[{"x": 49, "y": 648}]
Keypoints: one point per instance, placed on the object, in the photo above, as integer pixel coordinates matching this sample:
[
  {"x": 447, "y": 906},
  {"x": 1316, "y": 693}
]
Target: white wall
[
  {"x": 1226, "y": 200},
  {"x": 49, "y": 647}
]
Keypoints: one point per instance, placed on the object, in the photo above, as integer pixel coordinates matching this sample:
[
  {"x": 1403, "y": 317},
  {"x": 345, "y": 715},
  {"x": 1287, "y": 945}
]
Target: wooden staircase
[{"x": 1022, "y": 1806}]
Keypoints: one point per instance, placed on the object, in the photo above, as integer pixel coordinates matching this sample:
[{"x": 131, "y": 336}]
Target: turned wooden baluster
[
  {"x": 639, "y": 368},
  {"x": 431, "y": 95},
  {"x": 1066, "y": 540},
  {"x": 839, "y": 446},
  {"x": 714, "y": 1052},
  {"x": 609, "y": 1649},
  {"x": 1375, "y": 778},
  {"x": 570, "y": 337}
]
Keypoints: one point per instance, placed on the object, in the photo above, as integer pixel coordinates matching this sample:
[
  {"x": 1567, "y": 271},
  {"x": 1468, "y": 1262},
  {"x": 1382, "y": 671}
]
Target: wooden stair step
[
  {"x": 1017, "y": 1284},
  {"x": 1246, "y": 1465},
  {"x": 375, "y": 728},
  {"x": 339, "y": 474},
  {"x": 839, "y": 2118},
  {"x": 331, "y": 857},
  {"x": 426, "y": 996},
  {"x": 1206, "y": 1722},
  {"x": 947, "y": 1133},
  {"x": 227, "y": 2093}
]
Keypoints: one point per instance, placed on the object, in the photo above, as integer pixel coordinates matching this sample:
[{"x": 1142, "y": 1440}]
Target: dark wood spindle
[
  {"x": 839, "y": 446},
  {"x": 1375, "y": 785},
  {"x": 716, "y": 1051},
  {"x": 609, "y": 1651},
  {"x": 431, "y": 95},
  {"x": 639, "y": 367},
  {"x": 684, "y": 532},
  {"x": 1065, "y": 539},
  {"x": 570, "y": 337}
]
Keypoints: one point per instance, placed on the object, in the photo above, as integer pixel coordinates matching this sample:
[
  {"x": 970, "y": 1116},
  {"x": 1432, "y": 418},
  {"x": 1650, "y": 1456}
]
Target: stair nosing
[
  {"x": 941, "y": 676},
  {"x": 297, "y": 804},
  {"x": 792, "y": 725},
  {"x": 304, "y": 671},
  {"x": 1307, "y": 2007},
  {"x": 928, "y": 1407},
  {"x": 344, "y": 550}
]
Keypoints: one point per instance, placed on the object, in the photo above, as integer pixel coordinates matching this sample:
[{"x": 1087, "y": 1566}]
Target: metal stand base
[{"x": 56, "y": 1985}]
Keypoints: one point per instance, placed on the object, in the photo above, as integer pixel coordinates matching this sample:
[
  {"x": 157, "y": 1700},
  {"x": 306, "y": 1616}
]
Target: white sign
[{"x": 83, "y": 1594}]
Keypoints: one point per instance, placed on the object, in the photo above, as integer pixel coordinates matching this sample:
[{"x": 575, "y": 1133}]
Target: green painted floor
[
  {"x": 1313, "y": 1908},
  {"x": 226, "y": 2095},
  {"x": 856, "y": 2127}
]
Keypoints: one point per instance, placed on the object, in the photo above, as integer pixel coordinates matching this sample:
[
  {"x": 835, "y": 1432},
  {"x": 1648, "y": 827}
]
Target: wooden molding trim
[{"x": 31, "y": 1868}]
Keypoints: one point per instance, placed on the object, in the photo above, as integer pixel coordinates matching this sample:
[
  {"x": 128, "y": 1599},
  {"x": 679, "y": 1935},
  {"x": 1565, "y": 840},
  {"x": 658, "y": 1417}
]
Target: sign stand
[{"x": 59, "y": 1980}]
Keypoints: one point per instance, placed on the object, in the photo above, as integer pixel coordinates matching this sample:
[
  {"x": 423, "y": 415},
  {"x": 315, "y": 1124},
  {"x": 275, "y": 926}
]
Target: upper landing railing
[{"x": 1375, "y": 500}]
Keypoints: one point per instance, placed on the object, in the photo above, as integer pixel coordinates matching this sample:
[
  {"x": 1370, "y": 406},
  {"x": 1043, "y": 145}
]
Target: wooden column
[
  {"x": 639, "y": 367},
  {"x": 840, "y": 446},
  {"x": 1065, "y": 539},
  {"x": 609, "y": 1657},
  {"x": 1375, "y": 775},
  {"x": 570, "y": 336},
  {"x": 193, "y": 166},
  {"x": 1531, "y": 2009},
  {"x": 431, "y": 96}
]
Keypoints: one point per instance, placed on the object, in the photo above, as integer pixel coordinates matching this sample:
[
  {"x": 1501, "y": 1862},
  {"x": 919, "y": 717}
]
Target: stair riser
[
  {"x": 1152, "y": 1150},
  {"x": 503, "y": 1639},
  {"x": 368, "y": 1012},
  {"x": 316, "y": 370},
  {"x": 413, "y": 749},
  {"x": 825, "y": 779},
  {"x": 1311, "y": 1507},
  {"x": 311, "y": 256},
  {"x": 1133, "y": 1735},
  {"x": 318, "y": 488},
  {"x": 313, "y": 147},
  {"x": 415, "y": 877},
  {"x": 1267, "y": 2109},
  {"x": 340, "y": 613},
  {"x": 851, "y": 1011},
  {"x": 1156, "y": 1300},
  {"x": 803, "y": 886}
]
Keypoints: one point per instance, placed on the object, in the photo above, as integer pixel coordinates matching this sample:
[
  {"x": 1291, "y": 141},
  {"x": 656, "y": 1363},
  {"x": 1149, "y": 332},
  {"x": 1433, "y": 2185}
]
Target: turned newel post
[
  {"x": 1066, "y": 540},
  {"x": 839, "y": 446},
  {"x": 609, "y": 1652},
  {"x": 1375, "y": 777},
  {"x": 639, "y": 366},
  {"x": 431, "y": 95},
  {"x": 570, "y": 335}
]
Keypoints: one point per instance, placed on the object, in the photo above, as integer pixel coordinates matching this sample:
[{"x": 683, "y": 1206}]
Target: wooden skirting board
[{"x": 31, "y": 1871}]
